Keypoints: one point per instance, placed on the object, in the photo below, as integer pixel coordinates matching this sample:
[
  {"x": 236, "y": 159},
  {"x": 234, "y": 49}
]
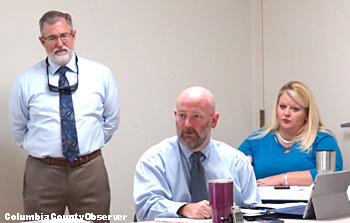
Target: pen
[{"x": 263, "y": 211}]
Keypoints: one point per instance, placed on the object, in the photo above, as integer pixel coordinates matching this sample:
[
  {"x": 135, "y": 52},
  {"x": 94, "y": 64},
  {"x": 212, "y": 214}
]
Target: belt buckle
[
  {"x": 81, "y": 159},
  {"x": 73, "y": 164}
]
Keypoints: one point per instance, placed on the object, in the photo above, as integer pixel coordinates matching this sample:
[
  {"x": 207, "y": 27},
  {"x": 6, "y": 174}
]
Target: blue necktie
[
  {"x": 198, "y": 185},
  {"x": 68, "y": 128}
]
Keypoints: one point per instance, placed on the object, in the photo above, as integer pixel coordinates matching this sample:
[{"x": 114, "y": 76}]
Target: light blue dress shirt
[
  {"x": 34, "y": 110},
  {"x": 162, "y": 178}
]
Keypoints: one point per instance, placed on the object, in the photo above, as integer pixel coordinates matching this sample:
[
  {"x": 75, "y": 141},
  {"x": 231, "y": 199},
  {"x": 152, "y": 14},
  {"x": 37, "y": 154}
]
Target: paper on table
[
  {"x": 292, "y": 188},
  {"x": 182, "y": 220},
  {"x": 59, "y": 221},
  {"x": 283, "y": 205}
]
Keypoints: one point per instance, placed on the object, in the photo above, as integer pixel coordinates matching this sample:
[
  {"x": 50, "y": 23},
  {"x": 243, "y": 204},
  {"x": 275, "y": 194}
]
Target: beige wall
[
  {"x": 155, "y": 48},
  {"x": 309, "y": 41},
  {"x": 241, "y": 50}
]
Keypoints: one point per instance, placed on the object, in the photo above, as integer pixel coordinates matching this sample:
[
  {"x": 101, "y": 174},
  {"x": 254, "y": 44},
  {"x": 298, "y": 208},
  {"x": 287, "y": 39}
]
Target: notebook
[{"x": 328, "y": 198}]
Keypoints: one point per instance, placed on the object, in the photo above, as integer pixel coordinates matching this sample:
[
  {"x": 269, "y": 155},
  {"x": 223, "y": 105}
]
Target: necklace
[{"x": 285, "y": 141}]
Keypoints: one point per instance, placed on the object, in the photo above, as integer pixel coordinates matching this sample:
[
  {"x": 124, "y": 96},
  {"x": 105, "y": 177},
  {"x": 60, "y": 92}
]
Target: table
[
  {"x": 343, "y": 219},
  {"x": 58, "y": 221},
  {"x": 294, "y": 194},
  {"x": 267, "y": 194}
]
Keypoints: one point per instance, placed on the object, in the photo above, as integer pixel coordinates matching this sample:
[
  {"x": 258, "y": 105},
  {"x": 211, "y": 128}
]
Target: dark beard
[{"x": 191, "y": 145}]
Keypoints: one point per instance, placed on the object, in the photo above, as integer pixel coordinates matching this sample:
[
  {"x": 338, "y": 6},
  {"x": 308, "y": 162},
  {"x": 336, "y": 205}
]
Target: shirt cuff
[{"x": 175, "y": 208}]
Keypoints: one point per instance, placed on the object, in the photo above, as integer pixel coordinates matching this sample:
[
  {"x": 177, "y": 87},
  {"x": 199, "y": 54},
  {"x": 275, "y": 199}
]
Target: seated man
[{"x": 162, "y": 183}]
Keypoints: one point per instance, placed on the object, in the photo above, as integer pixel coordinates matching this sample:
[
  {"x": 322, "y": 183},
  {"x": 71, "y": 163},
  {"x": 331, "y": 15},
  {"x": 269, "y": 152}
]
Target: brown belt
[{"x": 63, "y": 162}]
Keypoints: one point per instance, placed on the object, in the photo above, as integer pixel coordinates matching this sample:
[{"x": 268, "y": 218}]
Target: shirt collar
[
  {"x": 188, "y": 152},
  {"x": 71, "y": 65}
]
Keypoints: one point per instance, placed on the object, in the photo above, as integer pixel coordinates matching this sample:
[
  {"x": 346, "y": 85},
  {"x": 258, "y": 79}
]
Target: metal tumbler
[{"x": 325, "y": 161}]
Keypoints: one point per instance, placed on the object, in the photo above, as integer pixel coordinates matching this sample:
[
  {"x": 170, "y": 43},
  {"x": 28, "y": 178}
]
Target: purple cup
[{"x": 220, "y": 198}]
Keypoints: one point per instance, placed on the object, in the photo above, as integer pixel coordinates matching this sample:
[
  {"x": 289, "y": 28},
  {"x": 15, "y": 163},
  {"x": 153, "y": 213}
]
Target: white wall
[
  {"x": 156, "y": 48},
  {"x": 309, "y": 41}
]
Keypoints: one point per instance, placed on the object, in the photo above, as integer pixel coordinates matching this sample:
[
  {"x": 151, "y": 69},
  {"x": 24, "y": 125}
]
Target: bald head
[{"x": 197, "y": 96}]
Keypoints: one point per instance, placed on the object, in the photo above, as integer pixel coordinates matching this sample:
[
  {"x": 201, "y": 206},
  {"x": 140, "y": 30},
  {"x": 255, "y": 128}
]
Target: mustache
[
  {"x": 61, "y": 48},
  {"x": 189, "y": 130}
]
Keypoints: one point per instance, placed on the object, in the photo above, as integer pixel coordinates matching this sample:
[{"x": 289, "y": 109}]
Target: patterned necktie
[
  {"x": 198, "y": 186},
  {"x": 68, "y": 128}
]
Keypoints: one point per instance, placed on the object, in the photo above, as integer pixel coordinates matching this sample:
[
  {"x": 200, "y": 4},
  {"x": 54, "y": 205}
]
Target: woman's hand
[{"x": 271, "y": 181}]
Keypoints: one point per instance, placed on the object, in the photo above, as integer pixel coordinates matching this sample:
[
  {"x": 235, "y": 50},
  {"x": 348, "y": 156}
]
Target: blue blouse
[{"x": 269, "y": 158}]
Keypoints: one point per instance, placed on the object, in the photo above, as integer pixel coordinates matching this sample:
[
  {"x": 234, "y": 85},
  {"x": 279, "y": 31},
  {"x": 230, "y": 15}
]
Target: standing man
[
  {"x": 62, "y": 111},
  {"x": 165, "y": 184}
]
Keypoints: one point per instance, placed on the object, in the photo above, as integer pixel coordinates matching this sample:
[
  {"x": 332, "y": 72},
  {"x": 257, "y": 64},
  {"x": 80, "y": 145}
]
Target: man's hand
[{"x": 200, "y": 210}]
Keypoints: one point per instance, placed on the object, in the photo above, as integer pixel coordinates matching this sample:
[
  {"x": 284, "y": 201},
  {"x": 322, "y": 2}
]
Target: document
[
  {"x": 182, "y": 220},
  {"x": 281, "y": 205},
  {"x": 59, "y": 221}
]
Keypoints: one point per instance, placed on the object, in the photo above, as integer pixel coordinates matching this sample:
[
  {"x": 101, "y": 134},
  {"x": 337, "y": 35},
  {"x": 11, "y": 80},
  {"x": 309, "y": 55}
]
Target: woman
[{"x": 284, "y": 153}]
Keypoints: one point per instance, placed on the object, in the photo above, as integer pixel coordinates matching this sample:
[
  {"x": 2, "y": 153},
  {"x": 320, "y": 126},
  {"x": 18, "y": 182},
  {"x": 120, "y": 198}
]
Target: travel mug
[{"x": 220, "y": 198}]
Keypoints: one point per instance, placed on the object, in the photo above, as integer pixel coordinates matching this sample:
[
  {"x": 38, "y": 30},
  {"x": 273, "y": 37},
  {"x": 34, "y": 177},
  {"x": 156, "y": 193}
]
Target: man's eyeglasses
[
  {"x": 64, "y": 37},
  {"x": 70, "y": 88}
]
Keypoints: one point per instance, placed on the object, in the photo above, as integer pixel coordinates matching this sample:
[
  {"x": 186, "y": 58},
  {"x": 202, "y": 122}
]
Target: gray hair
[{"x": 52, "y": 17}]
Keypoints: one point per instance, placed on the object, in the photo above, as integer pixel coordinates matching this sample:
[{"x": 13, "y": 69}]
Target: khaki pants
[{"x": 50, "y": 189}]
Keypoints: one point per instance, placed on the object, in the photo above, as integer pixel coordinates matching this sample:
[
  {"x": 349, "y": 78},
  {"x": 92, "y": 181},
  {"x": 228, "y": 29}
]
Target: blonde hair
[{"x": 306, "y": 135}]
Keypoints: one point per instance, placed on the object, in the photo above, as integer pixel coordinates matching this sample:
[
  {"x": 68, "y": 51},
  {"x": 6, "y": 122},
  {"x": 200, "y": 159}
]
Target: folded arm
[{"x": 300, "y": 178}]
